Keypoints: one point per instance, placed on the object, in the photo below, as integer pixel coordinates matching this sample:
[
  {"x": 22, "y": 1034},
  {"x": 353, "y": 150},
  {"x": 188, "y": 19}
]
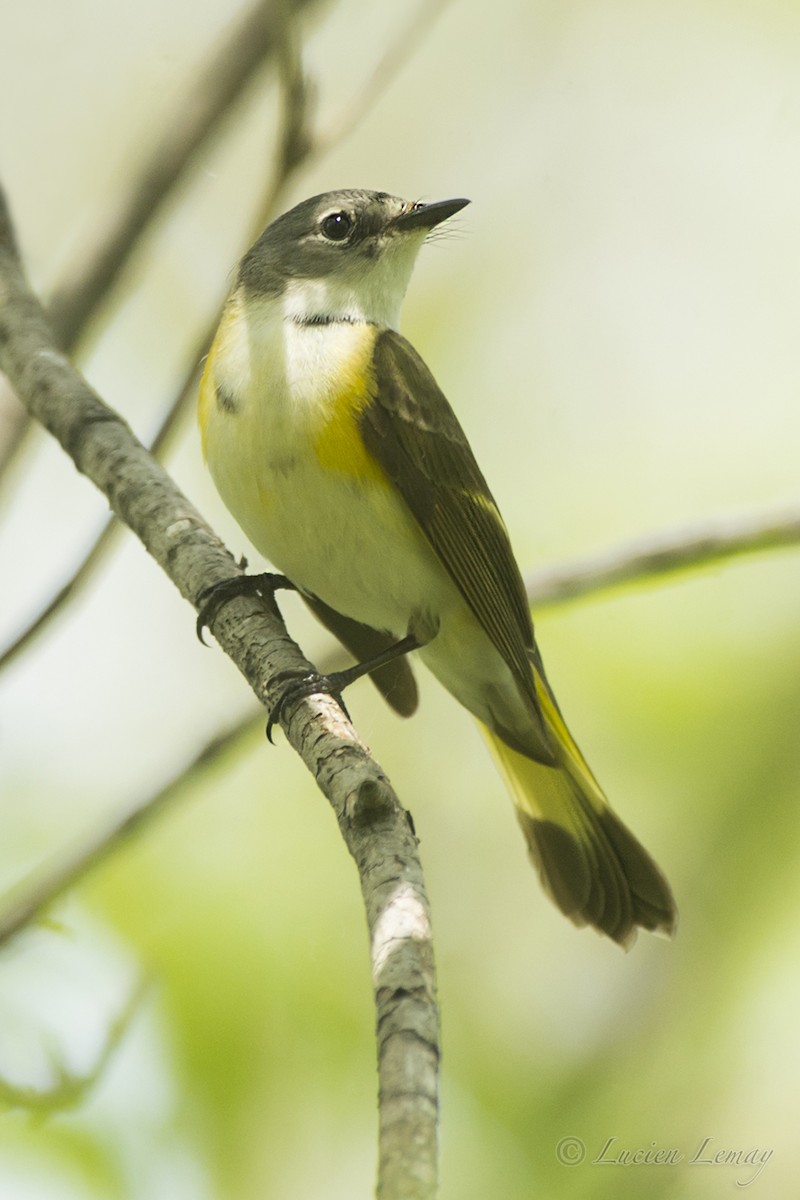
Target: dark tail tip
[{"x": 605, "y": 879}]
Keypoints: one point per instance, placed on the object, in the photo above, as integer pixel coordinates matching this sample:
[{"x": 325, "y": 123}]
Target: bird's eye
[{"x": 336, "y": 226}]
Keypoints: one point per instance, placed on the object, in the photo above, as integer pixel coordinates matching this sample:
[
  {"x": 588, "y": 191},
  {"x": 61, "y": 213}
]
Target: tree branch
[
  {"x": 391, "y": 64},
  {"x": 69, "y": 1089},
  {"x": 372, "y": 821},
  {"x": 256, "y": 37},
  {"x": 92, "y": 559},
  {"x": 29, "y": 900},
  {"x": 643, "y": 560}
]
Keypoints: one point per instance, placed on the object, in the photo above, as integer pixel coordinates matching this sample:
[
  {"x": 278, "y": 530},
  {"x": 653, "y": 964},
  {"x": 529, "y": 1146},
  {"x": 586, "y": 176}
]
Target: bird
[{"x": 339, "y": 456}]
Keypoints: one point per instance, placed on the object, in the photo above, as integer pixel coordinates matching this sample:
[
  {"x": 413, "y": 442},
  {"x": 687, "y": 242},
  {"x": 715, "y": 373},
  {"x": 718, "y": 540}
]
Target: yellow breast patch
[
  {"x": 273, "y": 393},
  {"x": 338, "y": 443}
]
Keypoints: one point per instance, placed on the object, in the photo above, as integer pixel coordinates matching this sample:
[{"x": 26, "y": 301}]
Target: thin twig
[
  {"x": 70, "y": 1089},
  {"x": 372, "y": 821},
  {"x": 386, "y": 71},
  {"x": 651, "y": 557},
  {"x": 119, "y": 227},
  {"x": 259, "y": 35},
  {"x": 295, "y": 143},
  {"x": 68, "y": 590},
  {"x": 31, "y": 897},
  {"x": 35, "y": 894},
  {"x": 86, "y": 569}
]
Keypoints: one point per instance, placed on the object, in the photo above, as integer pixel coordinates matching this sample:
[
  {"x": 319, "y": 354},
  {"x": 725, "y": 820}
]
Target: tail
[{"x": 590, "y": 864}]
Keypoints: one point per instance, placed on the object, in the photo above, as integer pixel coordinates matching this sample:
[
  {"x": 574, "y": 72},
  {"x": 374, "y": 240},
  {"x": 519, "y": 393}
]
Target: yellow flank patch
[
  {"x": 207, "y": 398},
  {"x": 208, "y": 386},
  {"x": 338, "y": 444}
]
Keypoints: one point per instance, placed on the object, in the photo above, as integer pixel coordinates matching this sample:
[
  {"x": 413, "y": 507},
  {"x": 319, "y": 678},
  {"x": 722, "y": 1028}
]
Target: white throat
[
  {"x": 369, "y": 292},
  {"x": 312, "y": 301}
]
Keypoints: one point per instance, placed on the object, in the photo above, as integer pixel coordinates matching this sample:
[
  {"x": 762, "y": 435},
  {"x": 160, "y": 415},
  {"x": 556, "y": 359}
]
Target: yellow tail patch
[{"x": 590, "y": 864}]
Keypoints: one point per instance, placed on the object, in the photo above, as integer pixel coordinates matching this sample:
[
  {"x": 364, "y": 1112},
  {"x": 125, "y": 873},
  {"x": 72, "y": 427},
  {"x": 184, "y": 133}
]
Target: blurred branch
[
  {"x": 70, "y": 1089},
  {"x": 33, "y": 896},
  {"x": 118, "y": 228},
  {"x": 373, "y": 823},
  {"x": 300, "y": 144},
  {"x": 68, "y": 590},
  {"x": 259, "y": 35},
  {"x": 387, "y": 69},
  {"x": 664, "y": 554},
  {"x": 85, "y": 571}
]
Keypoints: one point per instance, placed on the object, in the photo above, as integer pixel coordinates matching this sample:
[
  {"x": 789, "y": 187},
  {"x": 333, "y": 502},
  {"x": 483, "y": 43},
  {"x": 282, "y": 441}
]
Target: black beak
[{"x": 425, "y": 216}]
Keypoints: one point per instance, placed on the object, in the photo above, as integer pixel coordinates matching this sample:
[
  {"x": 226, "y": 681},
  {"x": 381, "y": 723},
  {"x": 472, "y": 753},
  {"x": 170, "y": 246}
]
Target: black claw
[
  {"x": 300, "y": 688},
  {"x": 214, "y": 597}
]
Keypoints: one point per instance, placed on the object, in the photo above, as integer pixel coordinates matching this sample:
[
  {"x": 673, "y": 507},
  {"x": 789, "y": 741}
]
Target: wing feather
[{"x": 414, "y": 434}]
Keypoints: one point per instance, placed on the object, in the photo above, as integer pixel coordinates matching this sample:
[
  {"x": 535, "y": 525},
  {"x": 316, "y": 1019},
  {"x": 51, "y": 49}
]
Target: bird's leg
[{"x": 314, "y": 684}]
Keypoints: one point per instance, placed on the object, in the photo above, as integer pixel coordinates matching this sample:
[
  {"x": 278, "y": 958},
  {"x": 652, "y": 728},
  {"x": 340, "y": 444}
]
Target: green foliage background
[{"x": 617, "y": 328}]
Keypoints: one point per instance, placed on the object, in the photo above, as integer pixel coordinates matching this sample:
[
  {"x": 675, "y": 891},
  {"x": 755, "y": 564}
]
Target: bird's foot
[
  {"x": 214, "y": 597},
  {"x": 300, "y": 687}
]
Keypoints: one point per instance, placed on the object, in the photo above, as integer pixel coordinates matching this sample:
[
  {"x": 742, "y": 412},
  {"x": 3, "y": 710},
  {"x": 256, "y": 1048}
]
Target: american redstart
[{"x": 337, "y": 453}]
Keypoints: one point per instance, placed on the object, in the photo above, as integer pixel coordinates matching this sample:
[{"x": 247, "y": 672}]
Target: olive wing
[{"x": 414, "y": 434}]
